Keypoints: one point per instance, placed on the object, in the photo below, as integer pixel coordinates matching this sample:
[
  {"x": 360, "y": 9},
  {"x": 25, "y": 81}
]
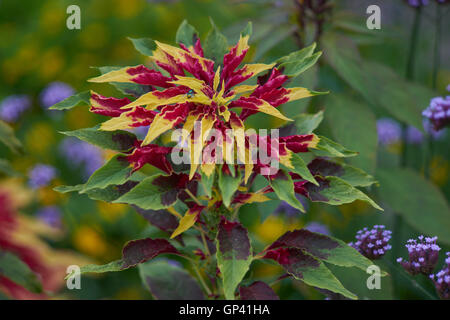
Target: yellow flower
[
  {"x": 111, "y": 211},
  {"x": 89, "y": 241}
]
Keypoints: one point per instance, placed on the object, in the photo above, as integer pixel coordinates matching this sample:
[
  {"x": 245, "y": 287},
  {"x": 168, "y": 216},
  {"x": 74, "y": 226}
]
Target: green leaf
[
  {"x": 156, "y": 192},
  {"x": 301, "y": 168},
  {"x": 329, "y": 148},
  {"x": 115, "y": 172},
  {"x": 144, "y": 45},
  {"x": 307, "y": 123},
  {"x": 295, "y": 68},
  {"x": 335, "y": 191},
  {"x": 233, "y": 254},
  {"x": 8, "y": 138},
  {"x": 73, "y": 101},
  {"x": 417, "y": 200},
  {"x": 354, "y": 176},
  {"x": 208, "y": 182},
  {"x": 354, "y": 124},
  {"x": 228, "y": 185},
  {"x": 118, "y": 140},
  {"x": 323, "y": 247},
  {"x": 67, "y": 189},
  {"x": 304, "y": 267},
  {"x": 168, "y": 282},
  {"x": 18, "y": 272},
  {"x": 298, "y": 62},
  {"x": 216, "y": 44},
  {"x": 283, "y": 186},
  {"x": 248, "y": 30},
  {"x": 379, "y": 85},
  {"x": 298, "y": 55},
  {"x": 186, "y": 34}
]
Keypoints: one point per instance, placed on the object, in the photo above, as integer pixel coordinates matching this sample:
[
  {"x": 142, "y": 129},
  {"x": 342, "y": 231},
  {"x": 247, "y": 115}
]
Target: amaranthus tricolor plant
[{"x": 203, "y": 93}]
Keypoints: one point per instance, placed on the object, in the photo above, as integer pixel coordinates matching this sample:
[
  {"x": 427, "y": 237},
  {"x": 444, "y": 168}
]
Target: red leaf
[
  {"x": 139, "y": 251},
  {"x": 258, "y": 291}
]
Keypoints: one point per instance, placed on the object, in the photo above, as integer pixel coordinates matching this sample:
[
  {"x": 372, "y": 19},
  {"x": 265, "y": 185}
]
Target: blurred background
[{"x": 373, "y": 96}]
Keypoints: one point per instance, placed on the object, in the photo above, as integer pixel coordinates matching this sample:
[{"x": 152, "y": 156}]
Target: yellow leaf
[
  {"x": 185, "y": 223},
  {"x": 120, "y": 75}
]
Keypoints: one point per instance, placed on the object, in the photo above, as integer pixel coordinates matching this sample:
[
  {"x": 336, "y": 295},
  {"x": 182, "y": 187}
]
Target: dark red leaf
[
  {"x": 139, "y": 251},
  {"x": 258, "y": 291}
]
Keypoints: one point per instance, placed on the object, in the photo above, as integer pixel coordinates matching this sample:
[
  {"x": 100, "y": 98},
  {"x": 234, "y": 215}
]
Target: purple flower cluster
[
  {"x": 50, "y": 215},
  {"x": 55, "y": 92},
  {"x": 423, "y": 255},
  {"x": 41, "y": 175},
  {"x": 442, "y": 280},
  {"x": 438, "y": 112},
  {"x": 373, "y": 243},
  {"x": 318, "y": 228},
  {"x": 418, "y": 3},
  {"x": 389, "y": 131},
  {"x": 81, "y": 153},
  {"x": 12, "y": 107}
]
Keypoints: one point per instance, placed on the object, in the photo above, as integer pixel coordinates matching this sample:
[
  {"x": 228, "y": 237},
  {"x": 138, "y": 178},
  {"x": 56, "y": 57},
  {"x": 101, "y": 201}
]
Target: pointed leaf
[
  {"x": 216, "y": 44},
  {"x": 186, "y": 34},
  {"x": 233, "y": 254},
  {"x": 328, "y": 249},
  {"x": 306, "y": 123},
  {"x": 115, "y": 172},
  {"x": 354, "y": 176},
  {"x": 73, "y": 101},
  {"x": 283, "y": 186},
  {"x": 308, "y": 269},
  {"x": 419, "y": 202},
  {"x": 156, "y": 192},
  {"x": 228, "y": 185},
  {"x": 166, "y": 281},
  {"x": 118, "y": 140},
  {"x": 335, "y": 191},
  {"x": 144, "y": 45},
  {"x": 328, "y": 148},
  {"x": 134, "y": 252}
]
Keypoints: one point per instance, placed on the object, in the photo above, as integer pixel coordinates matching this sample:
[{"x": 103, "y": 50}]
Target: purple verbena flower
[
  {"x": 442, "y": 280},
  {"x": 318, "y": 227},
  {"x": 55, "y": 92},
  {"x": 438, "y": 112},
  {"x": 81, "y": 153},
  {"x": 373, "y": 243},
  {"x": 50, "y": 215},
  {"x": 423, "y": 255},
  {"x": 417, "y": 3},
  {"x": 41, "y": 175},
  {"x": 12, "y": 107},
  {"x": 389, "y": 131}
]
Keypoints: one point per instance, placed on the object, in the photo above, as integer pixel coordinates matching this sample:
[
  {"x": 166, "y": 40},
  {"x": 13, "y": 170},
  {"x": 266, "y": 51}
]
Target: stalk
[
  {"x": 403, "y": 157},
  {"x": 436, "y": 65}
]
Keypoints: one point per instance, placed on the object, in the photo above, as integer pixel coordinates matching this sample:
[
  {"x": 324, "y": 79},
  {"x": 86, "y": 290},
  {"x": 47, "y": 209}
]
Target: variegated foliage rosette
[{"x": 208, "y": 85}]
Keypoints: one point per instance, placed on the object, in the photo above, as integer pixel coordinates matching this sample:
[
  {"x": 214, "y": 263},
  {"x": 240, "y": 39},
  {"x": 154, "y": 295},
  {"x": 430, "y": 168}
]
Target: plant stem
[
  {"x": 436, "y": 64},
  {"x": 200, "y": 278},
  {"x": 413, "y": 44},
  {"x": 192, "y": 196},
  {"x": 403, "y": 158},
  {"x": 437, "y": 44}
]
